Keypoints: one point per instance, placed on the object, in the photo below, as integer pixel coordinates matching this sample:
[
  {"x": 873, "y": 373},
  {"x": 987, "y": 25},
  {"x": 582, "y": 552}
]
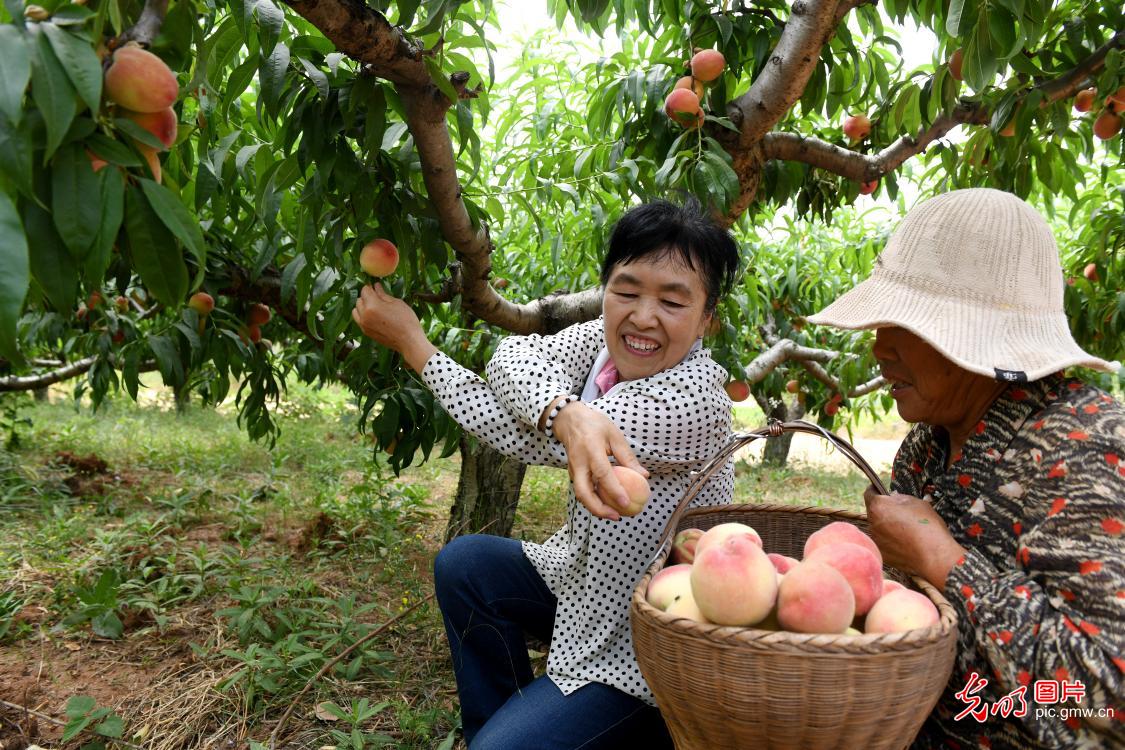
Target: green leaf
[
  {"x": 271, "y": 75},
  {"x": 157, "y": 257},
  {"x": 111, "y": 727},
  {"x": 137, "y": 133},
  {"x": 74, "y": 199},
  {"x": 53, "y": 93},
  {"x": 176, "y": 217},
  {"x": 953, "y": 17},
  {"x": 80, "y": 62},
  {"x": 111, "y": 186},
  {"x": 270, "y": 22},
  {"x": 15, "y": 154},
  {"x": 79, "y": 705},
  {"x": 15, "y": 71},
  {"x": 15, "y": 276},
  {"x": 107, "y": 625},
  {"x": 168, "y": 360},
  {"x": 979, "y": 64},
  {"x": 51, "y": 264},
  {"x": 113, "y": 151}
]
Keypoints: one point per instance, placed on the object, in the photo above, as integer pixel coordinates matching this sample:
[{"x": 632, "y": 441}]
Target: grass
[{"x": 191, "y": 581}]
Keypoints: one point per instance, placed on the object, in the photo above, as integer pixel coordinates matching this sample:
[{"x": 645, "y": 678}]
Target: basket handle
[{"x": 775, "y": 428}]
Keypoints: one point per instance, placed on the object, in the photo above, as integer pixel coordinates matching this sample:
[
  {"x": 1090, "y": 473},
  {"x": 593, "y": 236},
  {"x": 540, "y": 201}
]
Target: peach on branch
[
  {"x": 635, "y": 486},
  {"x": 793, "y": 386},
  {"x": 203, "y": 303},
  {"x": 96, "y": 162},
  {"x": 734, "y": 583},
  {"x": 122, "y": 304},
  {"x": 707, "y": 64},
  {"x": 253, "y": 333},
  {"x": 683, "y": 545},
  {"x": 857, "y": 127},
  {"x": 859, "y": 566},
  {"x": 140, "y": 81},
  {"x": 152, "y": 158},
  {"x": 738, "y": 390},
  {"x": 258, "y": 314},
  {"x": 901, "y": 610},
  {"x": 692, "y": 84},
  {"x": 1091, "y": 272},
  {"x": 682, "y": 105},
  {"x": 1084, "y": 100},
  {"x": 815, "y": 598},
  {"x": 867, "y": 188},
  {"x": 955, "y": 63},
  {"x": 95, "y": 299},
  {"x": 1115, "y": 102},
  {"x": 668, "y": 585},
  {"x": 163, "y": 124},
  {"x": 379, "y": 258},
  {"x": 1107, "y": 125}
]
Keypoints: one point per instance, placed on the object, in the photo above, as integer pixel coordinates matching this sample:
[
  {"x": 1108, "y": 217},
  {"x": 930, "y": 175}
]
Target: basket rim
[{"x": 784, "y": 640}]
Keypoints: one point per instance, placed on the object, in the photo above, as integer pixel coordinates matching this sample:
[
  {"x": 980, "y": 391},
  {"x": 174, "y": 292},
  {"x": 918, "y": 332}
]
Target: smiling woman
[{"x": 636, "y": 385}]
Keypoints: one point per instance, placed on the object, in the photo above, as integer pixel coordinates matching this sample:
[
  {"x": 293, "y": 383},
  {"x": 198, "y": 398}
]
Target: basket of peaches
[{"x": 770, "y": 626}]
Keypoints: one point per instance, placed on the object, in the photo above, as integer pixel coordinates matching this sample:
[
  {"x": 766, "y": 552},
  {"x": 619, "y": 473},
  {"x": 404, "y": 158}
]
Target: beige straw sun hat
[{"x": 976, "y": 274}]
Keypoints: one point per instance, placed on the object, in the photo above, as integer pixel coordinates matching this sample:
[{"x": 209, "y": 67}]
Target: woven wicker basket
[{"x": 747, "y": 689}]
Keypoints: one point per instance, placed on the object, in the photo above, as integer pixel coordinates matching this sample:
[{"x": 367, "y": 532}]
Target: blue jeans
[{"x": 491, "y": 597}]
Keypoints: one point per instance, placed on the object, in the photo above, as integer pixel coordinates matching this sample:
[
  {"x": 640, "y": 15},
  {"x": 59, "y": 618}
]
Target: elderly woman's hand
[
  {"x": 590, "y": 437},
  {"x": 390, "y": 322},
  {"x": 911, "y": 536}
]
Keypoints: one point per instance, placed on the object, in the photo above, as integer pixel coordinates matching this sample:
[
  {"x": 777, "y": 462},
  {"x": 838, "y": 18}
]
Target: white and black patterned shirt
[{"x": 675, "y": 421}]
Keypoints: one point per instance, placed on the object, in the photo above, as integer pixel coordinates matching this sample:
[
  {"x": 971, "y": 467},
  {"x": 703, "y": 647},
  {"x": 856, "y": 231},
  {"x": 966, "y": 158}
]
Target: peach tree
[{"x": 301, "y": 130}]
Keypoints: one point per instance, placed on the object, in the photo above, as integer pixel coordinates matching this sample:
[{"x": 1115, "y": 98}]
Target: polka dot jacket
[
  {"x": 1037, "y": 497},
  {"x": 675, "y": 421}
]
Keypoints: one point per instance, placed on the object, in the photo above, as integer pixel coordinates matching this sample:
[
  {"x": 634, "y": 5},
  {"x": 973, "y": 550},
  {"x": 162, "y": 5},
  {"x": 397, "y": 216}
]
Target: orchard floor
[{"x": 242, "y": 570}]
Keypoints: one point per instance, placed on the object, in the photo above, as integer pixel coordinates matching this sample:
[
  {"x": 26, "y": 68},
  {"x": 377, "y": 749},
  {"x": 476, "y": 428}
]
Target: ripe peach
[
  {"x": 859, "y": 566},
  {"x": 379, "y": 258},
  {"x": 685, "y": 606},
  {"x": 140, "y": 81},
  {"x": 153, "y": 159},
  {"x": 707, "y": 64},
  {"x": 857, "y": 127},
  {"x": 1115, "y": 102},
  {"x": 1084, "y": 100},
  {"x": 1091, "y": 272},
  {"x": 734, "y": 583},
  {"x": 889, "y": 586},
  {"x": 96, "y": 162},
  {"x": 683, "y": 545},
  {"x": 738, "y": 390},
  {"x": 901, "y": 610},
  {"x": 783, "y": 563},
  {"x": 1010, "y": 129},
  {"x": 867, "y": 188},
  {"x": 831, "y": 409},
  {"x": 202, "y": 302},
  {"x": 682, "y": 105},
  {"x": 1107, "y": 125},
  {"x": 692, "y": 84},
  {"x": 94, "y": 301},
  {"x": 955, "y": 62},
  {"x": 163, "y": 124},
  {"x": 841, "y": 531},
  {"x": 258, "y": 314},
  {"x": 254, "y": 333},
  {"x": 122, "y": 304},
  {"x": 636, "y": 487},
  {"x": 668, "y": 584},
  {"x": 793, "y": 386},
  {"x": 721, "y": 532},
  {"x": 815, "y": 598}
]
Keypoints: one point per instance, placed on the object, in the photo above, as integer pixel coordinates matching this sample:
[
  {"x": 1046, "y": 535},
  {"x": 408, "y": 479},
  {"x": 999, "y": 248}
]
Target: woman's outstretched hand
[
  {"x": 390, "y": 321},
  {"x": 912, "y": 536},
  {"x": 590, "y": 437}
]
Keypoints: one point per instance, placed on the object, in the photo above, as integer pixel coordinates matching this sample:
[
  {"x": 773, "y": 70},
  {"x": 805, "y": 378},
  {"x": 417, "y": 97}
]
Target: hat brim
[{"x": 977, "y": 336}]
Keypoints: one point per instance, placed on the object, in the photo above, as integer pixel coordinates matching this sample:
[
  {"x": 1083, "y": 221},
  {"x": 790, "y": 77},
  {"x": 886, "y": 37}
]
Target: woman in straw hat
[{"x": 1009, "y": 492}]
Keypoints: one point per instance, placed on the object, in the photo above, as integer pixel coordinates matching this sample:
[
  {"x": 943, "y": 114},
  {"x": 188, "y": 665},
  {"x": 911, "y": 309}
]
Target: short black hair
[{"x": 660, "y": 229}]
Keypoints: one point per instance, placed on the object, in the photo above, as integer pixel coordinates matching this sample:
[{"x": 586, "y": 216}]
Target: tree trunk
[
  {"x": 488, "y": 492},
  {"x": 776, "y": 452}
]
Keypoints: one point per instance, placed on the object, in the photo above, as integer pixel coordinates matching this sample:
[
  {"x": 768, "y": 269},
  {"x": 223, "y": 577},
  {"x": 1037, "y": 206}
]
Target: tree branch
[
  {"x": 364, "y": 34},
  {"x": 777, "y": 88},
  {"x": 148, "y": 24},
  {"x": 42, "y": 380},
  {"x": 863, "y": 167}
]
